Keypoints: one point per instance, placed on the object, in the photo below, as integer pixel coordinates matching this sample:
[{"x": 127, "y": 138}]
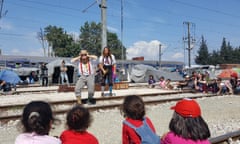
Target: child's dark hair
[
  {"x": 79, "y": 118},
  {"x": 133, "y": 107},
  {"x": 189, "y": 127},
  {"x": 36, "y": 117}
]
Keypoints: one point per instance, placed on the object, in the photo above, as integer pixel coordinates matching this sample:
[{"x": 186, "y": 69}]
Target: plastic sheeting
[{"x": 140, "y": 73}]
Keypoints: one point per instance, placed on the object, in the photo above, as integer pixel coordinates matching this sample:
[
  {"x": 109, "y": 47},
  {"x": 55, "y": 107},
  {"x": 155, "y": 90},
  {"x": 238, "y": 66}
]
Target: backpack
[{"x": 145, "y": 132}]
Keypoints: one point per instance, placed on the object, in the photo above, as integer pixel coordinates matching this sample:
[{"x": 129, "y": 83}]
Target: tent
[
  {"x": 140, "y": 73},
  {"x": 226, "y": 73},
  {"x": 10, "y": 76},
  {"x": 54, "y": 71}
]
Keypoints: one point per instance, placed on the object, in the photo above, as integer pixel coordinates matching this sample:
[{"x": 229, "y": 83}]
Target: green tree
[
  {"x": 203, "y": 55},
  {"x": 59, "y": 40},
  {"x": 90, "y": 39}
]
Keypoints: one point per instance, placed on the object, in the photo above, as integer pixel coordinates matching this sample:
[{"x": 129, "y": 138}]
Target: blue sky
[{"x": 146, "y": 24}]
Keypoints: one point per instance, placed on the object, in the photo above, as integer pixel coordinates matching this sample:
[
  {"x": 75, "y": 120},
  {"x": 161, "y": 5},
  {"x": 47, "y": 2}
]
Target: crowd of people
[
  {"x": 200, "y": 82},
  {"x": 186, "y": 126}
]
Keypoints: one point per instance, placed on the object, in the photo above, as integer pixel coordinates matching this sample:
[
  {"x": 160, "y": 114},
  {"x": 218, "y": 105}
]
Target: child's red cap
[{"x": 187, "y": 108}]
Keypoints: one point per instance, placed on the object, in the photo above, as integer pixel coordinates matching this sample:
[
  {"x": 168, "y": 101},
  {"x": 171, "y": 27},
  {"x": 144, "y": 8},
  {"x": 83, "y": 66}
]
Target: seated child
[
  {"x": 37, "y": 120},
  {"x": 187, "y": 125},
  {"x": 151, "y": 81},
  {"x": 133, "y": 110},
  {"x": 78, "y": 120}
]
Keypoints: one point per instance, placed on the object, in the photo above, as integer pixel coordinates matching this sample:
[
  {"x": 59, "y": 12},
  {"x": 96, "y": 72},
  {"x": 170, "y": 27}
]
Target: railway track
[
  {"x": 104, "y": 103},
  {"x": 13, "y": 112}
]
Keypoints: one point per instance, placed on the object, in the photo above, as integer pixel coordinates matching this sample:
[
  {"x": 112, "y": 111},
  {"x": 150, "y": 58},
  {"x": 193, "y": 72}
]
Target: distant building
[{"x": 141, "y": 58}]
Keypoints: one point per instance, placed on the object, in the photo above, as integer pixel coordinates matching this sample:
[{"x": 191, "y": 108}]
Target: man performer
[
  {"x": 87, "y": 75},
  {"x": 107, "y": 63}
]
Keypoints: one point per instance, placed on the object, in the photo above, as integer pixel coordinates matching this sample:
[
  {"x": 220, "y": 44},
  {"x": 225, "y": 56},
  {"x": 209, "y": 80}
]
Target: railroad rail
[
  {"x": 101, "y": 103},
  {"x": 226, "y": 138},
  {"x": 116, "y": 101}
]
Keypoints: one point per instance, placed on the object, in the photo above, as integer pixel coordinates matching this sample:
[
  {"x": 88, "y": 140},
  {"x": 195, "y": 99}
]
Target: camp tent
[
  {"x": 54, "y": 71},
  {"x": 140, "y": 73}
]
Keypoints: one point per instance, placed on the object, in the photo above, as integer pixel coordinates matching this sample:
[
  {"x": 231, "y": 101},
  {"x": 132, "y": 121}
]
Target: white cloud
[
  {"x": 149, "y": 50},
  {"x": 178, "y": 55}
]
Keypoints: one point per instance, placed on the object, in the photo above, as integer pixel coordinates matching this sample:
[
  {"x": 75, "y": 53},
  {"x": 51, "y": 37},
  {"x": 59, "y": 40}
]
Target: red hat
[{"x": 187, "y": 108}]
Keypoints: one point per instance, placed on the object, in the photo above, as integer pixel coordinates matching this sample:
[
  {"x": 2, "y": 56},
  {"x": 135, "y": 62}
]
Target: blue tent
[{"x": 9, "y": 76}]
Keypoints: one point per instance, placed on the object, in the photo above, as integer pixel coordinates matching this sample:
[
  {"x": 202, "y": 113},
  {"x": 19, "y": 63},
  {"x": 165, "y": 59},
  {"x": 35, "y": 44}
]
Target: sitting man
[{"x": 5, "y": 86}]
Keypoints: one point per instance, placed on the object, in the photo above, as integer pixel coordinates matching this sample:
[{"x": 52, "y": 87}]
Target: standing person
[
  {"x": 78, "y": 121},
  {"x": 133, "y": 110},
  {"x": 63, "y": 73},
  {"x": 37, "y": 119},
  {"x": 187, "y": 125},
  {"x": 87, "y": 75},
  {"x": 107, "y": 63},
  {"x": 44, "y": 74}
]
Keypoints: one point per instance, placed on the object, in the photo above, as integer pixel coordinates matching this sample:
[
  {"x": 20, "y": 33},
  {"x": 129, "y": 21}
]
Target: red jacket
[
  {"x": 73, "y": 137},
  {"x": 129, "y": 136}
]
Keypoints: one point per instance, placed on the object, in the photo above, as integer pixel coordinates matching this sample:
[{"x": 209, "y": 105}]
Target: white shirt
[{"x": 107, "y": 60}]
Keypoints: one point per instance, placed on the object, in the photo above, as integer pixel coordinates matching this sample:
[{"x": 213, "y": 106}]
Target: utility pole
[
  {"x": 1, "y": 8},
  {"x": 160, "y": 56},
  {"x": 190, "y": 40},
  {"x": 103, "y": 7},
  {"x": 122, "y": 29}
]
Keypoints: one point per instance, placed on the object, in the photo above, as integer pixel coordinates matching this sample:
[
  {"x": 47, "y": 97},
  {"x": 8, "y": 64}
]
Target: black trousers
[{"x": 44, "y": 81}]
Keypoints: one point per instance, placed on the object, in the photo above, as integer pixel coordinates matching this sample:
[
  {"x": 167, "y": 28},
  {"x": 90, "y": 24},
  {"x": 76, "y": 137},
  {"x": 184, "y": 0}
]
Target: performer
[
  {"x": 63, "y": 73},
  {"x": 86, "y": 72},
  {"x": 107, "y": 63}
]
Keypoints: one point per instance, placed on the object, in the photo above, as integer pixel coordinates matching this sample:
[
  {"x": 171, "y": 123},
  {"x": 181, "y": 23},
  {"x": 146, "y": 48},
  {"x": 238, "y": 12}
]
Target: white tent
[{"x": 54, "y": 71}]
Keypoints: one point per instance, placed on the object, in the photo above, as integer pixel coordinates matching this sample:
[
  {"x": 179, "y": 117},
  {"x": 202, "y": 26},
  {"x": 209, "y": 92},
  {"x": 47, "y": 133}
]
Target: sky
[{"x": 146, "y": 24}]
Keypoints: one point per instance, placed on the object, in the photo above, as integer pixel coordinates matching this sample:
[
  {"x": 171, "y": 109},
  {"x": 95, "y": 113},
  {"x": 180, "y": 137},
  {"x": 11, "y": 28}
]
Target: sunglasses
[{"x": 83, "y": 54}]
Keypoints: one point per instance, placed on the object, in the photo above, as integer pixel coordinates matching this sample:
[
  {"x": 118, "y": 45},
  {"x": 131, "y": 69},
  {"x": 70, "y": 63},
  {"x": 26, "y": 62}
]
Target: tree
[
  {"x": 203, "y": 55},
  {"x": 59, "y": 40},
  {"x": 90, "y": 39}
]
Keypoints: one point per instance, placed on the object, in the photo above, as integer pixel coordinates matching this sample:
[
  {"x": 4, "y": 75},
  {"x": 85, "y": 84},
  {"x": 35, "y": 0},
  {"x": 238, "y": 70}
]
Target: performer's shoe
[
  {"x": 110, "y": 94},
  {"x": 102, "y": 94}
]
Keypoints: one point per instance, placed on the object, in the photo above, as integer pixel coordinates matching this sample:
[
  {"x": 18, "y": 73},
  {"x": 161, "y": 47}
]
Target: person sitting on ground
[
  {"x": 37, "y": 120},
  {"x": 187, "y": 83},
  {"x": 78, "y": 121},
  {"x": 133, "y": 110},
  {"x": 168, "y": 84},
  {"x": 162, "y": 82},
  {"x": 187, "y": 125},
  {"x": 201, "y": 83},
  {"x": 151, "y": 81}
]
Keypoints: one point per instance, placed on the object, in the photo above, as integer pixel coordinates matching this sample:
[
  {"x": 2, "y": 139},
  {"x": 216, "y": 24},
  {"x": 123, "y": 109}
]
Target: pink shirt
[
  {"x": 171, "y": 138},
  {"x": 162, "y": 84},
  {"x": 33, "y": 138}
]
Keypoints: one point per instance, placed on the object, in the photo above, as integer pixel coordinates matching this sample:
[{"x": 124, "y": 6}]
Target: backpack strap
[
  {"x": 129, "y": 124},
  {"x": 132, "y": 126}
]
